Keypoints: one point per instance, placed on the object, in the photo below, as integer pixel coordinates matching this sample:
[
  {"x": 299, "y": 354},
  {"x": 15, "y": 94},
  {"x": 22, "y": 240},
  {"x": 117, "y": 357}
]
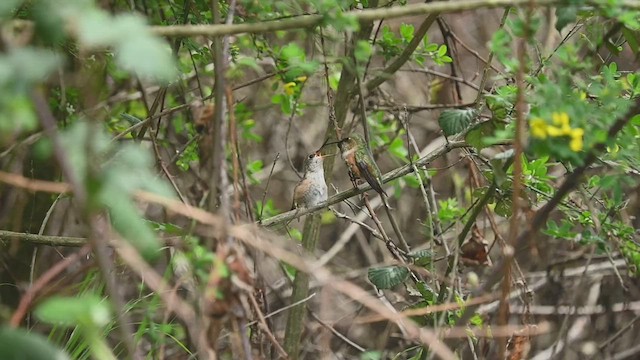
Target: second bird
[
  {"x": 360, "y": 161},
  {"x": 312, "y": 189}
]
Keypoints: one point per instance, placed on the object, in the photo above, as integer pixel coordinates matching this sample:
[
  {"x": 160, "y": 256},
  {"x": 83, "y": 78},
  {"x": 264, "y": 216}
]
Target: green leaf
[
  {"x": 146, "y": 56},
  {"x": 475, "y": 136},
  {"x": 129, "y": 223},
  {"x": 504, "y": 206},
  {"x": 397, "y": 149},
  {"x": 426, "y": 292},
  {"x": 363, "y": 51},
  {"x": 388, "y": 276},
  {"x": 27, "y": 65},
  {"x": 455, "y": 121},
  {"x": 23, "y": 345},
  {"x": 371, "y": 355},
  {"x": 7, "y": 7},
  {"x": 85, "y": 309},
  {"x": 442, "y": 50},
  {"x": 99, "y": 29},
  {"x": 565, "y": 15},
  {"x": 406, "y": 31},
  {"x": 632, "y": 39},
  {"x": 421, "y": 257}
]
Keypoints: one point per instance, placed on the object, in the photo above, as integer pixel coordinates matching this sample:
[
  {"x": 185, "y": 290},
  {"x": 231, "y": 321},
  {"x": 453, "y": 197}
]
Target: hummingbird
[
  {"x": 358, "y": 158},
  {"x": 312, "y": 189}
]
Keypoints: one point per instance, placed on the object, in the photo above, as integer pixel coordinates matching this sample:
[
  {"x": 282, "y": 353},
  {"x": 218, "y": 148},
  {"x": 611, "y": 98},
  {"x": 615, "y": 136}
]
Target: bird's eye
[{"x": 311, "y": 156}]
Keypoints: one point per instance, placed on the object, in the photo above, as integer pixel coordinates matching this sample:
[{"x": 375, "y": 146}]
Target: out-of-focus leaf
[
  {"x": 475, "y": 136},
  {"x": 455, "y": 121},
  {"x": 7, "y": 7},
  {"x": 565, "y": 15},
  {"x": 388, "y": 276},
  {"x": 19, "y": 344},
  {"x": 129, "y": 223},
  {"x": 27, "y": 65},
  {"x": 99, "y": 29},
  {"x": 147, "y": 56},
  {"x": 87, "y": 309}
]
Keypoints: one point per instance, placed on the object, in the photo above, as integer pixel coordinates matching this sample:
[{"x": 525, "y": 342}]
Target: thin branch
[
  {"x": 391, "y": 175},
  {"x": 406, "y": 53},
  {"x": 43, "y": 239},
  {"x": 516, "y": 201},
  {"x": 363, "y": 16}
]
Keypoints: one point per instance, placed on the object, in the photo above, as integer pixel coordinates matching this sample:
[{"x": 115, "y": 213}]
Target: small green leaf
[
  {"x": 442, "y": 50},
  {"x": 421, "y": 257},
  {"x": 388, "y": 276},
  {"x": 86, "y": 309},
  {"x": 406, "y": 31},
  {"x": 455, "y": 121},
  {"x": 20, "y": 344},
  {"x": 503, "y": 207}
]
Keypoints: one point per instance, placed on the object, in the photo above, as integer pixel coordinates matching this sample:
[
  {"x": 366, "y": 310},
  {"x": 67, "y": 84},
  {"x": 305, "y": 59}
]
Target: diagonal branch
[{"x": 391, "y": 175}]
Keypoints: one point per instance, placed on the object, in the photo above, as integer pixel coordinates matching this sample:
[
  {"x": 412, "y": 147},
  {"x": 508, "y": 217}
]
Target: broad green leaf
[
  {"x": 371, "y": 355},
  {"x": 147, "y": 57},
  {"x": 455, "y": 121},
  {"x": 565, "y": 15},
  {"x": 86, "y": 309},
  {"x": 27, "y": 65},
  {"x": 99, "y": 29},
  {"x": 421, "y": 257},
  {"x": 388, "y": 276},
  {"x": 475, "y": 136},
  {"x": 504, "y": 206},
  {"x": 19, "y": 344}
]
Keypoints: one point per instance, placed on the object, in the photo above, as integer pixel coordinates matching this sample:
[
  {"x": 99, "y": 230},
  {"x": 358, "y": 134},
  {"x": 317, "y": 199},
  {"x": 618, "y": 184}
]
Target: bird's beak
[
  {"x": 325, "y": 155},
  {"x": 327, "y": 142}
]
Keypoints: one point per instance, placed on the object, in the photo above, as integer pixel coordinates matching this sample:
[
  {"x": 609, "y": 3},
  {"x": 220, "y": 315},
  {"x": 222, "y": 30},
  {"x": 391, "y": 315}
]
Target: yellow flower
[
  {"x": 576, "y": 143},
  {"x": 301, "y": 79},
  {"x": 555, "y": 131},
  {"x": 289, "y": 88},
  {"x": 561, "y": 119},
  {"x": 538, "y": 128}
]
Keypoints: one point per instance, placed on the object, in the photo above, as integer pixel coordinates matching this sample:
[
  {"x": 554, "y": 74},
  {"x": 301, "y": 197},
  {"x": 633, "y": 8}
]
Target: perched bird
[
  {"x": 312, "y": 189},
  {"x": 358, "y": 158}
]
